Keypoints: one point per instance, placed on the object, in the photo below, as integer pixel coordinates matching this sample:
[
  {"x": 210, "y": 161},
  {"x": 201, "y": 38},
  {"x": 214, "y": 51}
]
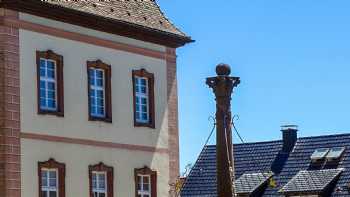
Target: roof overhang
[{"x": 118, "y": 27}]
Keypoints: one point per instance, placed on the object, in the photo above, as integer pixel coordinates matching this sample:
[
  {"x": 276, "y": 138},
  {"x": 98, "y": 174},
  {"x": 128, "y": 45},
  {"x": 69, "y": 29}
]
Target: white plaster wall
[
  {"x": 75, "y": 122},
  {"x": 77, "y": 159}
]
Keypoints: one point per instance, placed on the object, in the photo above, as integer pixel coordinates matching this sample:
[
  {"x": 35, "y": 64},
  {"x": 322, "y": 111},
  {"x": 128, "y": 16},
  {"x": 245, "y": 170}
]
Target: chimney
[{"x": 290, "y": 136}]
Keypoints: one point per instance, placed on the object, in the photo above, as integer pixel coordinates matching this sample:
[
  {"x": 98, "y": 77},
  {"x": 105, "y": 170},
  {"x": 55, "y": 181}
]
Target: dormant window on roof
[
  {"x": 50, "y": 83},
  {"x": 99, "y": 90},
  {"x": 335, "y": 153},
  {"x": 143, "y": 93},
  {"x": 319, "y": 154},
  {"x": 101, "y": 179}
]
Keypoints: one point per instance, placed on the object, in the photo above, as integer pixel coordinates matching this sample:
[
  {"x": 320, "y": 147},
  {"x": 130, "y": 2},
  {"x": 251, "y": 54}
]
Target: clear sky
[{"x": 293, "y": 58}]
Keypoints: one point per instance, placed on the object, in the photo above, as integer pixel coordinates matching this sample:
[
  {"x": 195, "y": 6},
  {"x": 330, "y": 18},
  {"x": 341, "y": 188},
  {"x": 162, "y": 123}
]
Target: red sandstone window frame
[
  {"x": 61, "y": 169},
  {"x": 98, "y": 64},
  {"x": 49, "y": 54},
  {"x": 153, "y": 181},
  {"x": 101, "y": 167},
  {"x": 151, "y": 103}
]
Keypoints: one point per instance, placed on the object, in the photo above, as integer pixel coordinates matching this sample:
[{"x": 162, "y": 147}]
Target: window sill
[
  {"x": 149, "y": 125},
  {"x": 107, "y": 120},
  {"x": 48, "y": 112}
]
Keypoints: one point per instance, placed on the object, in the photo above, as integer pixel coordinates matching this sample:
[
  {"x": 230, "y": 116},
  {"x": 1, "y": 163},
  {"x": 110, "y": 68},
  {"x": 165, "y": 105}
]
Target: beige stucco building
[{"x": 88, "y": 99}]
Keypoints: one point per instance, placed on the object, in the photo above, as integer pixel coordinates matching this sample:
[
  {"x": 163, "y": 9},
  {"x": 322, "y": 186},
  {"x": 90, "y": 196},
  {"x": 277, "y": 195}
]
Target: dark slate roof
[
  {"x": 311, "y": 180},
  {"x": 140, "y": 12},
  {"x": 250, "y": 182},
  {"x": 267, "y": 156}
]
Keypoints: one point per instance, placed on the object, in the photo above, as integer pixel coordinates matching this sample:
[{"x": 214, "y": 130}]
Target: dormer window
[
  {"x": 143, "y": 91},
  {"x": 50, "y": 83},
  {"x": 99, "y": 90}
]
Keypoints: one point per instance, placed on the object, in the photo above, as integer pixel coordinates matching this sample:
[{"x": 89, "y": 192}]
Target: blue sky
[{"x": 293, "y": 58}]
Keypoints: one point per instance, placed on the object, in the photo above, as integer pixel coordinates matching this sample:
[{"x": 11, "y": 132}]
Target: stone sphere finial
[{"x": 223, "y": 70}]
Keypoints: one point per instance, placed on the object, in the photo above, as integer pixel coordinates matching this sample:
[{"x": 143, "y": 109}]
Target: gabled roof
[
  {"x": 265, "y": 157},
  {"x": 134, "y": 18},
  {"x": 307, "y": 181}
]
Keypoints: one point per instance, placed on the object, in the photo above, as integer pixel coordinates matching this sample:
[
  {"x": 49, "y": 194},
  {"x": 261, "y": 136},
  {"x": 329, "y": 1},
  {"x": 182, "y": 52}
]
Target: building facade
[{"x": 88, "y": 99}]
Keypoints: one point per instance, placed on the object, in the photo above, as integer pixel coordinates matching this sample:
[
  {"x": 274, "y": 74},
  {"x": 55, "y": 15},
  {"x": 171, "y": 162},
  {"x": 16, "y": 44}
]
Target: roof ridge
[{"x": 306, "y": 137}]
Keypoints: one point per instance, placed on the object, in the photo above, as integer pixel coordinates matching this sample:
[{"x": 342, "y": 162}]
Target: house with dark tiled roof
[
  {"x": 88, "y": 103},
  {"x": 306, "y": 166}
]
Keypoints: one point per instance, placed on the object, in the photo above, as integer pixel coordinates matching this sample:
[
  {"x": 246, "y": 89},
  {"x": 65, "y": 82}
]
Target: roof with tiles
[
  {"x": 262, "y": 157},
  {"x": 140, "y": 12},
  {"x": 138, "y": 19}
]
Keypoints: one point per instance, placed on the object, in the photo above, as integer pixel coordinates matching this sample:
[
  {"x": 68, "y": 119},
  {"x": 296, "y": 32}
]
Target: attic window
[
  {"x": 335, "y": 153},
  {"x": 319, "y": 154}
]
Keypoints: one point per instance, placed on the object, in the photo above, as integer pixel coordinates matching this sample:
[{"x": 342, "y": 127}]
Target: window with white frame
[
  {"x": 48, "y": 85},
  {"x": 99, "y": 184},
  {"x": 49, "y": 182},
  {"x": 97, "y": 92},
  {"x": 141, "y": 99},
  {"x": 143, "y": 185}
]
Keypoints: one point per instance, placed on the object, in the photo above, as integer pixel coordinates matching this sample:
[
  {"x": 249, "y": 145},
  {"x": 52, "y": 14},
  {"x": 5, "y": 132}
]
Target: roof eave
[{"x": 99, "y": 23}]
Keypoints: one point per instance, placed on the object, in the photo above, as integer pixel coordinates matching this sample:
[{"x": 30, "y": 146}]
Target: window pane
[
  {"x": 42, "y": 63},
  {"x": 100, "y": 110},
  {"x": 99, "y": 82},
  {"x": 51, "y": 103},
  {"x": 95, "y": 194},
  {"x": 144, "y": 101},
  {"x": 99, "y": 74},
  {"x": 52, "y": 174},
  {"x": 44, "y": 193},
  {"x": 145, "y": 187},
  {"x": 93, "y": 109},
  {"x": 43, "y": 182},
  {"x": 51, "y": 86},
  {"x": 143, "y": 82},
  {"x": 92, "y": 92},
  {"x": 53, "y": 182},
  {"x": 102, "y": 195},
  {"x": 51, "y": 65},
  {"x": 42, "y": 84},
  {"x": 42, "y": 72},
  {"x": 100, "y": 102},
  {"x": 144, "y": 116},
  {"x": 100, "y": 93},
  {"x": 42, "y": 93},
  {"x": 51, "y": 95},
  {"x": 137, "y": 116},
  {"x": 145, "y": 179},
  {"x": 53, "y": 194},
  {"x": 143, "y": 89},
  {"x": 42, "y": 102},
  {"x": 144, "y": 108},
  {"x": 51, "y": 74}
]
